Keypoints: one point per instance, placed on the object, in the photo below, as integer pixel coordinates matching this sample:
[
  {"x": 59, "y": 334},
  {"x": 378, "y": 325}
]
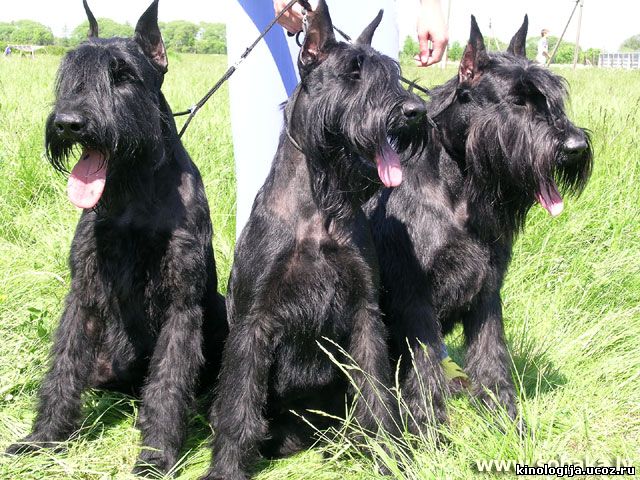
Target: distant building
[{"x": 628, "y": 60}]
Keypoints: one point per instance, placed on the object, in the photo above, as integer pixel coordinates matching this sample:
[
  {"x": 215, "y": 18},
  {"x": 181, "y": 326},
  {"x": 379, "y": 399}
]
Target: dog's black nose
[
  {"x": 69, "y": 124},
  {"x": 413, "y": 110},
  {"x": 575, "y": 145}
]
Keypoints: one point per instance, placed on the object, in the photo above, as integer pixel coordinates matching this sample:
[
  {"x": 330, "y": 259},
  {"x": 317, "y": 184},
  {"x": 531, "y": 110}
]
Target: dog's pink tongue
[
  {"x": 87, "y": 179},
  {"x": 550, "y": 198},
  {"x": 389, "y": 169}
]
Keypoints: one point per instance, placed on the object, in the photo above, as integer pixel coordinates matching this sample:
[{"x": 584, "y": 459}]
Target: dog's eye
[
  {"x": 121, "y": 72},
  {"x": 122, "y": 76},
  {"x": 355, "y": 68}
]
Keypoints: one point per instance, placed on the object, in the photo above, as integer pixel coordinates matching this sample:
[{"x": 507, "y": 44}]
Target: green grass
[{"x": 571, "y": 300}]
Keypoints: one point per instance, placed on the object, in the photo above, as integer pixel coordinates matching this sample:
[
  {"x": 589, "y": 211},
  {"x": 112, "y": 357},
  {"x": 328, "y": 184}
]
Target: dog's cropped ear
[
  {"x": 93, "y": 24},
  {"x": 475, "y": 57},
  {"x": 367, "y": 34},
  {"x": 319, "y": 35},
  {"x": 518, "y": 44},
  {"x": 149, "y": 38}
]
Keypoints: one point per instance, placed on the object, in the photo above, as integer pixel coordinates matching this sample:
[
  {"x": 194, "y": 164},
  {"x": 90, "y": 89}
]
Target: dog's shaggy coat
[
  {"x": 143, "y": 296},
  {"x": 444, "y": 237},
  {"x": 305, "y": 268}
]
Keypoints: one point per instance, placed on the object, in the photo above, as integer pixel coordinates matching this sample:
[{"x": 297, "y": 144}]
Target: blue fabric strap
[{"x": 261, "y": 13}]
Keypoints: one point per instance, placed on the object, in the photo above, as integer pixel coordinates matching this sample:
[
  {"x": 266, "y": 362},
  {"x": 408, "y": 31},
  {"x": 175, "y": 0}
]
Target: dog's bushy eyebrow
[
  {"x": 537, "y": 80},
  {"x": 552, "y": 87}
]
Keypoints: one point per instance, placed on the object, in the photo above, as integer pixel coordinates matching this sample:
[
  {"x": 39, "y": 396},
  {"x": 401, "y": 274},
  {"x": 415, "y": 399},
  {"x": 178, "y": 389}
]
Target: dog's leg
[
  {"x": 241, "y": 396},
  {"x": 487, "y": 362},
  {"x": 73, "y": 359},
  {"x": 170, "y": 387},
  {"x": 287, "y": 436},
  {"x": 368, "y": 348},
  {"x": 424, "y": 386}
]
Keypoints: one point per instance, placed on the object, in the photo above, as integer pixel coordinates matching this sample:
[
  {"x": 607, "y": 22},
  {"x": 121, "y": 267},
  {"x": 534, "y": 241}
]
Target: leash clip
[{"x": 305, "y": 27}]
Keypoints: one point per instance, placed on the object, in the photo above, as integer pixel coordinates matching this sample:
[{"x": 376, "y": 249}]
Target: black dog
[
  {"x": 444, "y": 237},
  {"x": 305, "y": 265},
  {"x": 143, "y": 277}
]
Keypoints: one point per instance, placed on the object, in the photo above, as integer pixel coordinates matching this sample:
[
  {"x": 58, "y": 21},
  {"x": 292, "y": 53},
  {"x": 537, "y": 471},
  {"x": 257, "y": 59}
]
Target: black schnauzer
[
  {"x": 143, "y": 296},
  {"x": 444, "y": 237},
  {"x": 305, "y": 267}
]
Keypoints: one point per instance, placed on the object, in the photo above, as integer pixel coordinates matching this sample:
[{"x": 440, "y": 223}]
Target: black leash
[
  {"x": 194, "y": 109},
  {"x": 230, "y": 71}
]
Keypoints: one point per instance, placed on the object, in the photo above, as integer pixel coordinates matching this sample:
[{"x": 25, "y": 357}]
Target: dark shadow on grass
[
  {"x": 200, "y": 436},
  {"x": 104, "y": 410},
  {"x": 199, "y": 430},
  {"x": 533, "y": 367},
  {"x": 538, "y": 374}
]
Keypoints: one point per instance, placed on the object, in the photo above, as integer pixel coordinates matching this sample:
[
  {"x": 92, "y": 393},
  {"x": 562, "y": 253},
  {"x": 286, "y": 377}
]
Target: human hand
[
  {"x": 291, "y": 20},
  {"x": 431, "y": 26}
]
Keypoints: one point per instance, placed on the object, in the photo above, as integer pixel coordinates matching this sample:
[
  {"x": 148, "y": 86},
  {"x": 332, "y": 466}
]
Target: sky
[{"x": 605, "y": 23}]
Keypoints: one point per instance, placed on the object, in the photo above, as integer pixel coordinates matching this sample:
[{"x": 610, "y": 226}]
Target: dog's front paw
[
  {"x": 425, "y": 414},
  {"x": 210, "y": 475},
  {"x": 153, "y": 464},
  {"x": 32, "y": 444},
  {"x": 213, "y": 474},
  {"x": 501, "y": 399},
  {"x": 20, "y": 448}
]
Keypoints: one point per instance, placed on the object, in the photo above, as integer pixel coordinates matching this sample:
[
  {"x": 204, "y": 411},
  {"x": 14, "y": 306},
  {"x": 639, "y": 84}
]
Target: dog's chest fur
[
  {"x": 323, "y": 268},
  {"x": 429, "y": 217}
]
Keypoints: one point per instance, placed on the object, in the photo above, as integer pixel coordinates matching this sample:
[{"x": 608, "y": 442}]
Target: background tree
[
  {"x": 63, "y": 41},
  {"x": 455, "y": 51},
  {"x": 410, "y": 49},
  {"x": 631, "y": 44},
  {"x": 211, "y": 38},
  {"x": 590, "y": 56},
  {"x": 107, "y": 28},
  {"x": 494, "y": 44},
  {"x": 179, "y": 35},
  {"x": 26, "y": 32},
  {"x": 6, "y": 29}
]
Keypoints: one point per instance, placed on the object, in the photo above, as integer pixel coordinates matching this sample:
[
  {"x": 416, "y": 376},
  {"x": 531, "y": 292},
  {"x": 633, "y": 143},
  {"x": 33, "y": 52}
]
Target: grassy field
[{"x": 571, "y": 300}]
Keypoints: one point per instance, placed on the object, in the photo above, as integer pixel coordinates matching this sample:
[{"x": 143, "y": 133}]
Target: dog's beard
[
  {"x": 92, "y": 158},
  {"x": 339, "y": 130},
  {"x": 512, "y": 155},
  {"x": 87, "y": 178}
]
